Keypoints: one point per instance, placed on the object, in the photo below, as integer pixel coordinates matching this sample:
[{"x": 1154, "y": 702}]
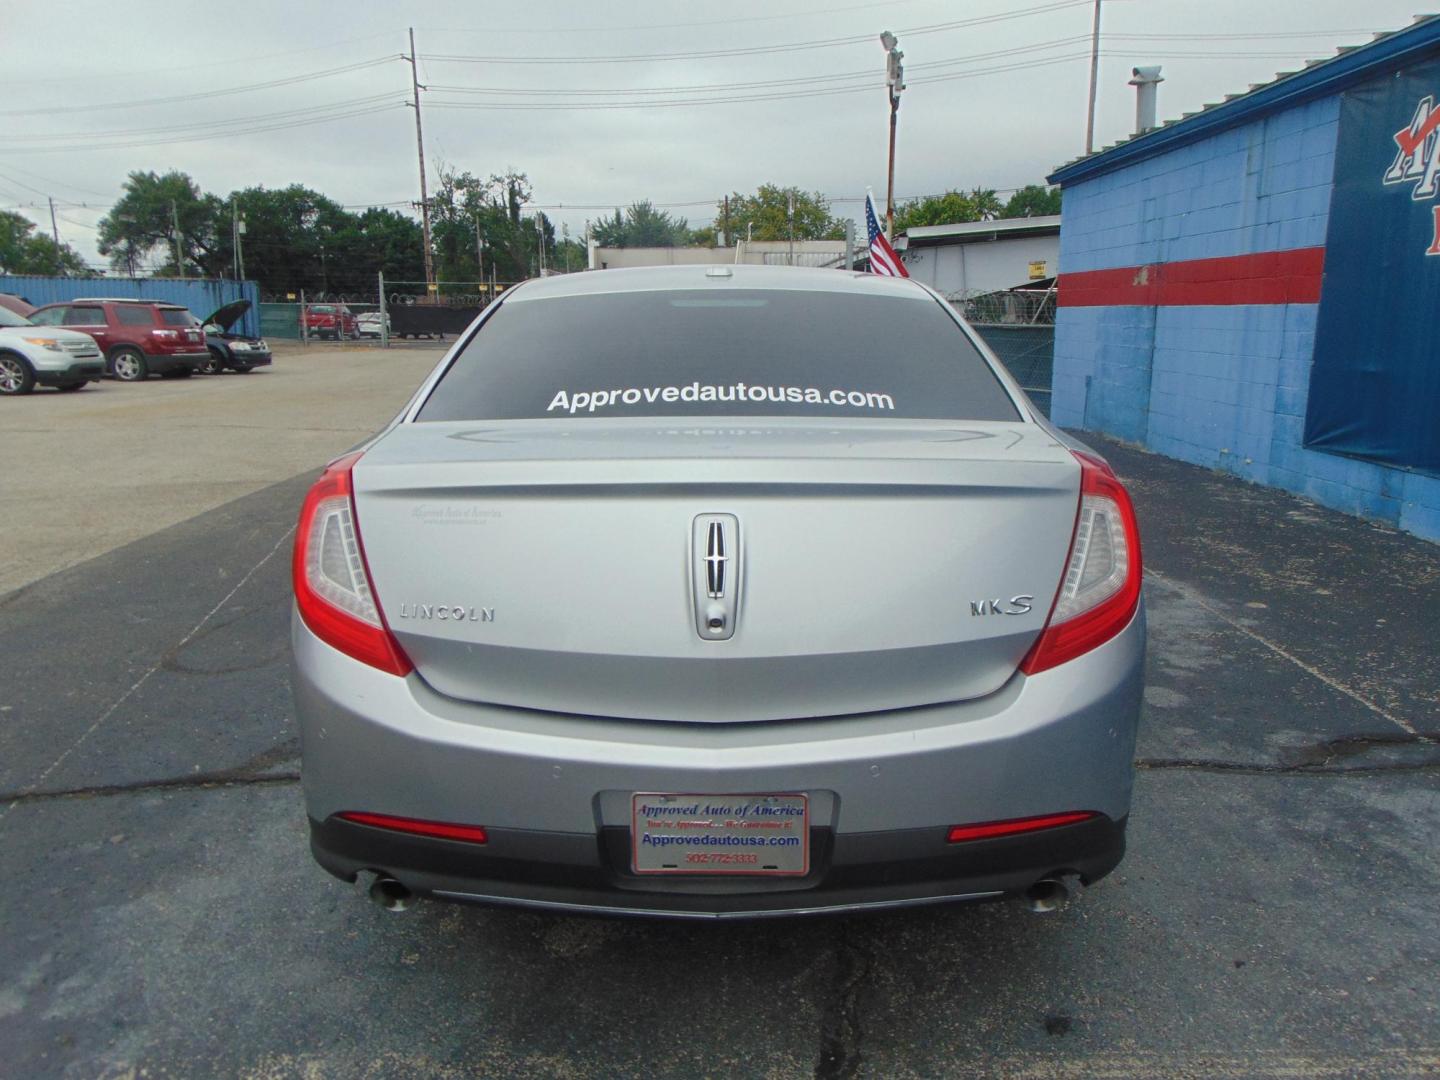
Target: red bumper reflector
[
  {"x": 990, "y": 829},
  {"x": 441, "y": 830}
]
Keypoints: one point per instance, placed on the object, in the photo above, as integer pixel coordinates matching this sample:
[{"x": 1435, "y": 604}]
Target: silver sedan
[{"x": 726, "y": 591}]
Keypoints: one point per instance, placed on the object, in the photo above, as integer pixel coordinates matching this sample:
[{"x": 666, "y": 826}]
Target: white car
[
  {"x": 370, "y": 323},
  {"x": 32, "y": 355}
]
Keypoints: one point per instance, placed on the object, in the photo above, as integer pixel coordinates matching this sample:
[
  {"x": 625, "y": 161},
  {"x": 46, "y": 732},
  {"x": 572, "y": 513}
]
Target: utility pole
[
  {"x": 790, "y": 219},
  {"x": 54, "y": 229},
  {"x": 894, "y": 84},
  {"x": 239, "y": 245},
  {"x": 1094, "y": 76},
  {"x": 725, "y": 240},
  {"x": 430, "y": 287},
  {"x": 175, "y": 220},
  {"x": 479, "y": 252},
  {"x": 384, "y": 312}
]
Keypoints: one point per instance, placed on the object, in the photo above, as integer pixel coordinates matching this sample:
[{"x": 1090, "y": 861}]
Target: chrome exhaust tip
[
  {"x": 387, "y": 892},
  {"x": 1047, "y": 895}
]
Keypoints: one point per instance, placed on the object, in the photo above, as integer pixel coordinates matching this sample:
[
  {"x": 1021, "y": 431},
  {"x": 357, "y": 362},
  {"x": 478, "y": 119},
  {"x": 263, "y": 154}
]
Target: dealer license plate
[{"x": 720, "y": 834}]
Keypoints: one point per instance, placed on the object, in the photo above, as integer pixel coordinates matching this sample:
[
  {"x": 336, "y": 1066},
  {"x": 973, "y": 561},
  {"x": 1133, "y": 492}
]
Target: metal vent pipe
[{"x": 1145, "y": 80}]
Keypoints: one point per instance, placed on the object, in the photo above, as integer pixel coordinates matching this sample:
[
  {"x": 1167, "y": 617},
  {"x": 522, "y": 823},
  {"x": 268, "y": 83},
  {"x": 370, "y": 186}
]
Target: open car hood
[{"x": 229, "y": 315}]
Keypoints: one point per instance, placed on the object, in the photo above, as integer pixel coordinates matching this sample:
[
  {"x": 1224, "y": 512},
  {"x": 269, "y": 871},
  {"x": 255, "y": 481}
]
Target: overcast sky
[{"x": 996, "y": 103}]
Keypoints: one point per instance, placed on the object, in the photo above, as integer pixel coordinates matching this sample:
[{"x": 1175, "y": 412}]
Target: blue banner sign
[{"x": 1375, "y": 386}]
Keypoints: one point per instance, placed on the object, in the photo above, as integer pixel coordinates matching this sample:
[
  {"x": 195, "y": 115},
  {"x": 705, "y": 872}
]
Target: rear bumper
[
  {"x": 588, "y": 872},
  {"x": 553, "y": 791}
]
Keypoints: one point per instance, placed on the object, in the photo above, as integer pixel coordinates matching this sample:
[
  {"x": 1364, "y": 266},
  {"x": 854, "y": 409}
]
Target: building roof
[
  {"x": 970, "y": 232},
  {"x": 1319, "y": 78}
]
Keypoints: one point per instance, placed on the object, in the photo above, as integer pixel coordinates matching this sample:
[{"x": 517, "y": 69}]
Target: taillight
[
  {"x": 1101, "y": 588},
  {"x": 989, "y": 830},
  {"x": 168, "y": 335},
  {"x": 331, "y": 579},
  {"x": 441, "y": 830}
]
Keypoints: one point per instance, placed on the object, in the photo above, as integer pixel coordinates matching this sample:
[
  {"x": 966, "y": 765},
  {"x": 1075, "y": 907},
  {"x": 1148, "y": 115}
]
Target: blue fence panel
[{"x": 201, "y": 295}]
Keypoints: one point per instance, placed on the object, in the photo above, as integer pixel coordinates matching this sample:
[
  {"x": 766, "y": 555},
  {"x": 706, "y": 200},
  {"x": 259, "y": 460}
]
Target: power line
[
  {"x": 1238, "y": 37},
  {"x": 740, "y": 99},
  {"x": 204, "y": 124},
  {"x": 302, "y": 121},
  {"x": 868, "y": 75},
  {"x": 807, "y": 89},
  {"x": 289, "y": 80},
  {"x": 248, "y": 60},
  {"x": 755, "y": 50},
  {"x": 21, "y": 183},
  {"x": 92, "y": 148},
  {"x": 51, "y": 180},
  {"x": 490, "y": 30}
]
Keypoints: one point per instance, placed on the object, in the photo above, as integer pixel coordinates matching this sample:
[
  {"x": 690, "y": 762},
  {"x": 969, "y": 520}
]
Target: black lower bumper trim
[
  {"x": 590, "y": 871},
  {"x": 75, "y": 374}
]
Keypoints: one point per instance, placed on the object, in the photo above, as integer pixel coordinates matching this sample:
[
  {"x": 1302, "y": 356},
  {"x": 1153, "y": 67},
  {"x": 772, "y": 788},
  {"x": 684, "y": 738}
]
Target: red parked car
[
  {"x": 138, "y": 337},
  {"x": 330, "y": 321}
]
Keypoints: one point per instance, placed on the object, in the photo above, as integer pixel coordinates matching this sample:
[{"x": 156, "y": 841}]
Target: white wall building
[
  {"x": 977, "y": 257},
  {"x": 816, "y": 253}
]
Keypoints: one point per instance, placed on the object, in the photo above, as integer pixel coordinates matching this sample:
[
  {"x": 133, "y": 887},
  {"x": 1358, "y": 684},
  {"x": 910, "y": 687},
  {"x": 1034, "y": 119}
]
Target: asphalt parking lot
[
  {"x": 135, "y": 458},
  {"x": 1276, "y": 914}
]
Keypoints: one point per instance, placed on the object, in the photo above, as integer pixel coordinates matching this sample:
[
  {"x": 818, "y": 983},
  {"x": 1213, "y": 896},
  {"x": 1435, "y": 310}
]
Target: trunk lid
[{"x": 555, "y": 564}]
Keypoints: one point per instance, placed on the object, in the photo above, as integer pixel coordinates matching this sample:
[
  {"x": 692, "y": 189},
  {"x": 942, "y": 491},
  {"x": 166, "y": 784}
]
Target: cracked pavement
[{"x": 1275, "y": 915}]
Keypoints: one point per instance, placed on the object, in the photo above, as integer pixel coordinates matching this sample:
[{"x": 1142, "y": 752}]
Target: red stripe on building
[{"x": 1271, "y": 277}]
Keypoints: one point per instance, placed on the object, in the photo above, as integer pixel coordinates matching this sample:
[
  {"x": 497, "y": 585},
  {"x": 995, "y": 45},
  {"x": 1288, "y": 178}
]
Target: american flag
[{"x": 883, "y": 259}]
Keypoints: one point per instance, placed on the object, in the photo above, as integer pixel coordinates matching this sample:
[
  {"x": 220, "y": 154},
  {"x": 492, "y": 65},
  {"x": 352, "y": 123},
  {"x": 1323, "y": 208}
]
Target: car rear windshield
[
  {"x": 177, "y": 317},
  {"x": 708, "y": 353}
]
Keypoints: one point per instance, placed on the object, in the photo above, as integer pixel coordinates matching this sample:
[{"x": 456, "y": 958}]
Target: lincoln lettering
[{"x": 447, "y": 612}]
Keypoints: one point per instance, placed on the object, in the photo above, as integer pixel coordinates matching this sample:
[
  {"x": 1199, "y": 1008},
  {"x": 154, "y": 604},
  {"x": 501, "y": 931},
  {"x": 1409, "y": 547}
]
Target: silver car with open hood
[{"x": 718, "y": 591}]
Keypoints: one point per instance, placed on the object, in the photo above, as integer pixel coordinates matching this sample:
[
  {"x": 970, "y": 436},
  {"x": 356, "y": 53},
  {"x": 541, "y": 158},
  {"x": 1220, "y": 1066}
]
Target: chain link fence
[
  {"x": 407, "y": 311},
  {"x": 1028, "y": 353}
]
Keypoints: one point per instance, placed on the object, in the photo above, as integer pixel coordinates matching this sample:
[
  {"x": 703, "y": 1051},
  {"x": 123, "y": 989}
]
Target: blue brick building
[{"x": 1251, "y": 288}]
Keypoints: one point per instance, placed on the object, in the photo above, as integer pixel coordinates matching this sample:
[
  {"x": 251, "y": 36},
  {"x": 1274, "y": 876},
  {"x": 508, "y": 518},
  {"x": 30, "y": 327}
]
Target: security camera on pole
[{"x": 894, "y": 83}]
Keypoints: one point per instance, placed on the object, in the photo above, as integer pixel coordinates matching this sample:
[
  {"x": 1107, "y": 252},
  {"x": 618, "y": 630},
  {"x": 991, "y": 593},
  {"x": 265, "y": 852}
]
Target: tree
[
  {"x": 23, "y": 251},
  {"x": 143, "y": 222},
  {"x": 388, "y": 242},
  {"x": 570, "y": 254},
  {"x": 981, "y": 204},
  {"x": 765, "y": 215},
  {"x": 290, "y": 241},
  {"x": 642, "y": 225},
  {"x": 464, "y": 205},
  {"x": 1032, "y": 200}
]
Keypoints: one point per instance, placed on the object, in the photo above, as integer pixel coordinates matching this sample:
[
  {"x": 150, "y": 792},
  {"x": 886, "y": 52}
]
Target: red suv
[
  {"x": 138, "y": 337},
  {"x": 330, "y": 321}
]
